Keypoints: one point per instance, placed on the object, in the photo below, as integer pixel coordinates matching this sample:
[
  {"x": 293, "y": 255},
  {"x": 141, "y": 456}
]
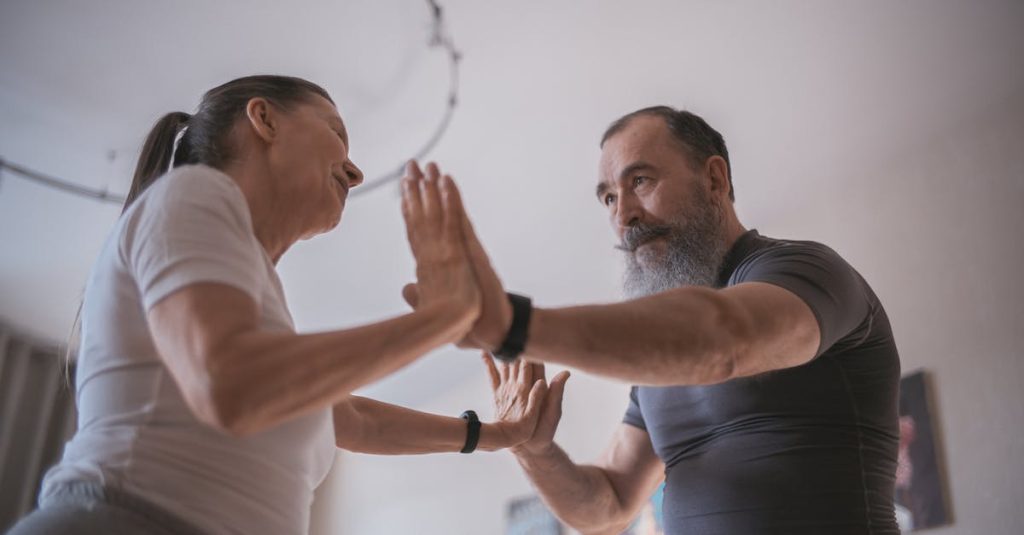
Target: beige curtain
[{"x": 37, "y": 416}]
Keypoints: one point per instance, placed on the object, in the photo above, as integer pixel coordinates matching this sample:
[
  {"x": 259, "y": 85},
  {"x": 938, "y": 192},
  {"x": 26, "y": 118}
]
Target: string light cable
[{"x": 439, "y": 38}]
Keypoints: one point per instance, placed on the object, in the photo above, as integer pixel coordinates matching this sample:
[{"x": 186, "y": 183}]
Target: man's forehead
[{"x": 638, "y": 138}]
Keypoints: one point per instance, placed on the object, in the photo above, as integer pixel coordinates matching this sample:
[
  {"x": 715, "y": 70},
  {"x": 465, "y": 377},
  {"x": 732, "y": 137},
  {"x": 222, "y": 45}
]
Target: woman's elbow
[{"x": 219, "y": 407}]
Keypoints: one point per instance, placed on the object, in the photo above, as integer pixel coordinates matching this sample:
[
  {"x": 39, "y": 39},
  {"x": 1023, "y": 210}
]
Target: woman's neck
[{"x": 273, "y": 224}]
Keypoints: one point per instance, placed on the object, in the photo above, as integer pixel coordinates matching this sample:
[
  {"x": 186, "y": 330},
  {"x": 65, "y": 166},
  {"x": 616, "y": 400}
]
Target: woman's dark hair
[{"x": 206, "y": 138}]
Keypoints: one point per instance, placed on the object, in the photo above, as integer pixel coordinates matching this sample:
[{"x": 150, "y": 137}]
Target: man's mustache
[{"x": 639, "y": 234}]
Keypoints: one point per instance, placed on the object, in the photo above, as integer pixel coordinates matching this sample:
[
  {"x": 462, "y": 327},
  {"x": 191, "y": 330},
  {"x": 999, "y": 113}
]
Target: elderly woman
[{"x": 200, "y": 408}]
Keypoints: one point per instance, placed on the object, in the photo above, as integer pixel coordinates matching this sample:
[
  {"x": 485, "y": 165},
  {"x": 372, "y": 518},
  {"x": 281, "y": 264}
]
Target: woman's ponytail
[{"x": 156, "y": 154}]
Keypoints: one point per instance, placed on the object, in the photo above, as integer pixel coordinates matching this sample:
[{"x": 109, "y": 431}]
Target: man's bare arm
[
  {"x": 689, "y": 335},
  {"x": 602, "y": 497}
]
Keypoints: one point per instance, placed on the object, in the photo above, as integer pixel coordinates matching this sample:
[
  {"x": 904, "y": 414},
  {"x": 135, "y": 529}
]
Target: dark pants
[{"x": 85, "y": 508}]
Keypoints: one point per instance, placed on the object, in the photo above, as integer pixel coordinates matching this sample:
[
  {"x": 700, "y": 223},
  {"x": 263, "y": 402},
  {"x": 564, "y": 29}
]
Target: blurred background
[{"x": 891, "y": 131}]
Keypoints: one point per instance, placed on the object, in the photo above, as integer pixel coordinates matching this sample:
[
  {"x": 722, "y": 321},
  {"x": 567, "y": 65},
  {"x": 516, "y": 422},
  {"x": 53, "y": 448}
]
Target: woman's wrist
[
  {"x": 450, "y": 318},
  {"x": 493, "y": 437}
]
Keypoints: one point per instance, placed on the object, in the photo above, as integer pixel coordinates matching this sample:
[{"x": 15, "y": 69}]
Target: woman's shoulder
[
  {"x": 196, "y": 182},
  {"x": 188, "y": 198},
  {"x": 187, "y": 190}
]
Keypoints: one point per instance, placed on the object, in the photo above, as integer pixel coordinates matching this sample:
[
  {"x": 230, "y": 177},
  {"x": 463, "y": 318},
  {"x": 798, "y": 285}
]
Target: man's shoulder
[{"x": 771, "y": 254}]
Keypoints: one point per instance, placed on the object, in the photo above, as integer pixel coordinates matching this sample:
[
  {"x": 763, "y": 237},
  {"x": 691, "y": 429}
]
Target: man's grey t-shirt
[{"x": 809, "y": 449}]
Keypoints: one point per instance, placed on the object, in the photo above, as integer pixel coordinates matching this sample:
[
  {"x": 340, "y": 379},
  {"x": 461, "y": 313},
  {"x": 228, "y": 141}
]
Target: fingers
[
  {"x": 411, "y": 203},
  {"x": 536, "y": 398},
  {"x": 492, "y": 370},
  {"x": 557, "y": 389},
  {"x": 538, "y": 370},
  {"x": 513, "y": 370},
  {"x": 503, "y": 371},
  {"x": 412, "y": 170},
  {"x": 451, "y": 203},
  {"x": 430, "y": 195},
  {"x": 525, "y": 372}
]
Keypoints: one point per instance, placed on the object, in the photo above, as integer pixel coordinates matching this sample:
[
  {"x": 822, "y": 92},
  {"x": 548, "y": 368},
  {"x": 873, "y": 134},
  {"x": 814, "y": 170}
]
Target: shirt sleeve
[
  {"x": 634, "y": 416},
  {"x": 195, "y": 227},
  {"x": 833, "y": 290}
]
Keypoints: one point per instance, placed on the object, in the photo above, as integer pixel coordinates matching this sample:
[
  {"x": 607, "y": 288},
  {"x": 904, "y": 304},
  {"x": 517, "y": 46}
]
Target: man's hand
[
  {"x": 495, "y": 318},
  {"x": 518, "y": 397},
  {"x": 507, "y": 382}
]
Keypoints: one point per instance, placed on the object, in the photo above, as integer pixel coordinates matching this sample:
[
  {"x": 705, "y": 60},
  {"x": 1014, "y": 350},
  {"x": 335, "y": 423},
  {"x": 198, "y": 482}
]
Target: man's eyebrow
[{"x": 634, "y": 167}]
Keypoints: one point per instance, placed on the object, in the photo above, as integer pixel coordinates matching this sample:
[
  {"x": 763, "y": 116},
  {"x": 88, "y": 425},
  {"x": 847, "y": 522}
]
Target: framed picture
[{"x": 920, "y": 492}]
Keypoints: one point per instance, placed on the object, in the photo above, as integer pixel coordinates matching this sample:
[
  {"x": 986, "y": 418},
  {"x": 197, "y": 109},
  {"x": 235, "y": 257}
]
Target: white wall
[
  {"x": 935, "y": 229},
  {"x": 889, "y": 130}
]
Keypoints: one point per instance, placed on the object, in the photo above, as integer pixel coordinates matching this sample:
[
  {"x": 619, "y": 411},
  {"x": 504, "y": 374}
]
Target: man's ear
[
  {"x": 262, "y": 118},
  {"x": 718, "y": 172}
]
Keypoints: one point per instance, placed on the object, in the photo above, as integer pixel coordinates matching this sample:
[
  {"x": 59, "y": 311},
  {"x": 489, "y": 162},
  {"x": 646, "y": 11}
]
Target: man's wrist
[{"x": 514, "y": 343}]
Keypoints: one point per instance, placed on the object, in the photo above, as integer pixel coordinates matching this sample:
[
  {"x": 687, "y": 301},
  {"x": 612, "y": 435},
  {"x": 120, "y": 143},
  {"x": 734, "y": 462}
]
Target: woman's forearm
[
  {"x": 258, "y": 379},
  {"x": 368, "y": 426}
]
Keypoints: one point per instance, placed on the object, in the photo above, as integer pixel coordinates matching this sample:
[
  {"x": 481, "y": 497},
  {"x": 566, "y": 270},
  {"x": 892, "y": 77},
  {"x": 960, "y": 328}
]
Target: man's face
[{"x": 661, "y": 208}]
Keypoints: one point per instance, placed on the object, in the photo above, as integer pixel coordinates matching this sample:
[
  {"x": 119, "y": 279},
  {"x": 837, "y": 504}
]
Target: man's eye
[
  {"x": 609, "y": 199},
  {"x": 637, "y": 180}
]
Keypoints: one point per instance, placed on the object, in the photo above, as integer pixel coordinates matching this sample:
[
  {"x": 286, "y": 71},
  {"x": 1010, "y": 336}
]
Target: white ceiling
[{"x": 799, "y": 88}]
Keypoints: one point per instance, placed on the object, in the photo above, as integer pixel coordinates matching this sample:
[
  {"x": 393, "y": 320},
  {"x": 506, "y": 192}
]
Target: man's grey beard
[{"x": 693, "y": 254}]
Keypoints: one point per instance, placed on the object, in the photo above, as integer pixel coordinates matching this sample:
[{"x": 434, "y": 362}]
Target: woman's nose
[{"x": 354, "y": 174}]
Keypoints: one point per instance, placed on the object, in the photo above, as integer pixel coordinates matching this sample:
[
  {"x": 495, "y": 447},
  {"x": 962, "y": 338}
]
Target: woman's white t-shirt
[{"x": 135, "y": 432}]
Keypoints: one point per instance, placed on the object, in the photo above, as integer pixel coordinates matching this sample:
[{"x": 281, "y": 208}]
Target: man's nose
[{"x": 628, "y": 213}]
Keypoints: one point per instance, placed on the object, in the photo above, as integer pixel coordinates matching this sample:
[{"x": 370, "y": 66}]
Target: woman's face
[{"x": 310, "y": 165}]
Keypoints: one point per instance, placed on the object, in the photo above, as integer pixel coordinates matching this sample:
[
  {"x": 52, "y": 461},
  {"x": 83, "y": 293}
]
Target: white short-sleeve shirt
[{"x": 135, "y": 431}]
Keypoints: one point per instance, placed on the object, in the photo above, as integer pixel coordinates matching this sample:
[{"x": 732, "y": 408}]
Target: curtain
[{"x": 37, "y": 416}]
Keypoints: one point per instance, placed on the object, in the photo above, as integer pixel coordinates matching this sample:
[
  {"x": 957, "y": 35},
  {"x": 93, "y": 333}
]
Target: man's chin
[{"x": 650, "y": 255}]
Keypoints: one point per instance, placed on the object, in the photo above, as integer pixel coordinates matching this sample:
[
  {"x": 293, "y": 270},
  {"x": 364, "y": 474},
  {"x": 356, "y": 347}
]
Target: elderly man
[{"x": 766, "y": 372}]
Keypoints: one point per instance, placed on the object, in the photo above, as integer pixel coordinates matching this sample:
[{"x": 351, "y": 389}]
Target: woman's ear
[{"x": 262, "y": 118}]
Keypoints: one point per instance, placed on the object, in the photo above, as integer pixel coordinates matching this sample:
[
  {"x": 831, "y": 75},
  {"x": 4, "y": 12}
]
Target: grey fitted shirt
[
  {"x": 804, "y": 450},
  {"x": 135, "y": 431}
]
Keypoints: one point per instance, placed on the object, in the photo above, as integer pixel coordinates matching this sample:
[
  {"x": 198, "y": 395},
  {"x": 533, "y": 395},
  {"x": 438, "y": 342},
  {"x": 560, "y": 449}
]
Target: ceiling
[{"x": 799, "y": 88}]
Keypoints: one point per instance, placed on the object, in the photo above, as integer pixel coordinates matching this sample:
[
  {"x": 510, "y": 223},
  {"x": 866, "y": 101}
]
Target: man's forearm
[
  {"x": 580, "y": 495},
  {"x": 677, "y": 337}
]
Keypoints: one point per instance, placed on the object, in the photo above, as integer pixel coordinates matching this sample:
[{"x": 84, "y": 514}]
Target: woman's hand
[
  {"x": 434, "y": 218},
  {"x": 495, "y": 317}
]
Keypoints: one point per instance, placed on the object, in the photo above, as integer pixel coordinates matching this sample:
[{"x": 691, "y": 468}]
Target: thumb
[
  {"x": 411, "y": 294},
  {"x": 558, "y": 386},
  {"x": 553, "y": 402},
  {"x": 536, "y": 397}
]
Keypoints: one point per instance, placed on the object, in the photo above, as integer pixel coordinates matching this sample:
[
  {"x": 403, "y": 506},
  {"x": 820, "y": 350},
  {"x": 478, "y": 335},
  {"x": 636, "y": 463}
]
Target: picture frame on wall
[{"x": 921, "y": 497}]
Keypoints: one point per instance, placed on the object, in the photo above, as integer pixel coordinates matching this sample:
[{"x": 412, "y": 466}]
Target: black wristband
[
  {"x": 472, "y": 431},
  {"x": 515, "y": 340}
]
